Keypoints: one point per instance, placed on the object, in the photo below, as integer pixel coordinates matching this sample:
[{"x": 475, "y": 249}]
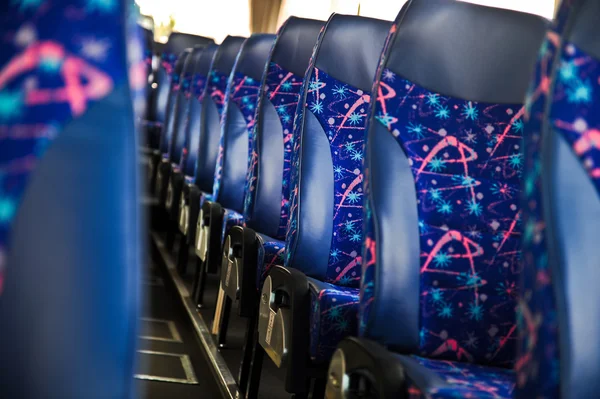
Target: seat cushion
[
  {"x": 270, "y": 253},
  {"x": 333, "y": 316},
  {"x": 437, "y": 379},
  {"x": 230, "y": 218}
]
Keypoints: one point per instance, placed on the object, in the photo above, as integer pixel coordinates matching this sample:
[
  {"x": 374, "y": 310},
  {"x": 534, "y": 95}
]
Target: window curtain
[{"x": 263, "y": 15}]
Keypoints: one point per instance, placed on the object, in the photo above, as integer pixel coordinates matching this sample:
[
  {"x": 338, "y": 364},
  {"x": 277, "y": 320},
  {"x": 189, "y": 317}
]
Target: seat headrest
[
  {"x": 227, "y": 54},
  {"x": 346, "y": 54},
  {"x": 180, "y": 41},
  {"x": 438, "y": 35},
  {"x": 254, "y": 53},
  {"x": 297, "y": 38},
  {"x": 206, "y": 59}
]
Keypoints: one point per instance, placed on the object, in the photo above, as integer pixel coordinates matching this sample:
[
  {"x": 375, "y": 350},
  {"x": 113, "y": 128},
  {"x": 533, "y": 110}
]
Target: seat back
[
  {"x": 70, "y": 220},
  {"x": 182, "y": 106},
  {"x": 324, "y": 231},
  {"x": 212, "y": 109},
  {"x": 442, "y": 249},
  {"x": 192, "y": 136},
  {"x": 238, "y": 121},
  {"x": 175, "y": 79},
  {"x": 559, "y": 310},
  {"x": 266, "y": 205},
  {"x": 176, "y": 44}
]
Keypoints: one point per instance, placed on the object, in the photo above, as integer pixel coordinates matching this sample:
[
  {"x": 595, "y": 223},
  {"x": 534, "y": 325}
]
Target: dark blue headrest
[
  {"x": 355, "y": 67},
  {"x": 252, "y": 57},
  {"x": 295, "y": 44},
  {"x": 227, "y": 54},
  {"x": 180, "y": 41},
  {"x": 437, "y": 34},
  {"x": 69, "y": 145},
  {"x": 446, "y": 120},
  {"x": 206, "y": 59}
]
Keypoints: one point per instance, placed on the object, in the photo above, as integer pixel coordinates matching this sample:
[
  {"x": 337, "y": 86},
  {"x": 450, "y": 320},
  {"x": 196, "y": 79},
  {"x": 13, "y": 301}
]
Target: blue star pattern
[
  {"x": 343, "y": 120},
  {"x": 33, "y": 116},
  {"x": 457, "y": 184}
]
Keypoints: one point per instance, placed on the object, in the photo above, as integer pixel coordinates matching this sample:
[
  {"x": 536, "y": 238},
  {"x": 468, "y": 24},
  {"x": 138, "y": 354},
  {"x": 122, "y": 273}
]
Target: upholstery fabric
[
  {"x": 50, "y": 74},
  {"x": 282, "y": 89},
  {"x": 342, "y": 112},
  {"x": 467, "y": 163},
  {"x": 538, "y": 357},
  {"x": 464, "y": 381},
  {"x": 270, "y": 253},
  {"x": 242, "y": 92},
  {"x": 334, "y": 316},
  {"x": 230, "y": 218},
  {"x": 197, "y": 88}
]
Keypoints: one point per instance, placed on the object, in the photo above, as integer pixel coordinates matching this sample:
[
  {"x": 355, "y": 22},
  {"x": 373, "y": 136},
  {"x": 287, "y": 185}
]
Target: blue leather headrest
[
  {"x": 433, "y": 32},
  {"x": 180, "y": 41},
  {"x": 206, "y": 59},
  {"x": 344, "y": 32},
  {"x": 252, "y": 58},
  {"x": 295, "y": 44},
  {"x": 227, "y": 54}
]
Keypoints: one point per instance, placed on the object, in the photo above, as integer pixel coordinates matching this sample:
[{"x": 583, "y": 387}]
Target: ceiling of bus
[{"x": 216, "y": 19}]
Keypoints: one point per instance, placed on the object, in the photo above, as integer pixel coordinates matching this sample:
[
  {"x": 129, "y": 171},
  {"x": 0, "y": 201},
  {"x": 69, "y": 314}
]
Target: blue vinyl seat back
[
  {"x": 324, "y": 231},
  {"x": 444, "y": 164},
  {"x": 212, "y": 110},
  {"x": 266, "y": 202},
  {"x": 173, "y": 48},
  {"x": 560, "y": 311},
  {"x": 169, "y": 124},
  {"x": 182, "y": 107},
  {"x": 193, "y": 136},
  {"x": 238, "y": 121},
  {"x": 70, "y": 220}
]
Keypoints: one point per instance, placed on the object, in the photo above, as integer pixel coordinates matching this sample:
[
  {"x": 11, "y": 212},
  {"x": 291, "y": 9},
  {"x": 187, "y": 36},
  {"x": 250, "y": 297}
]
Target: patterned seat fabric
[
  {"x": 563, "y": 125},
  {"x": 270, "y": 253},
  {"x": 40, "y": 73},
  {"x": 466, "y": 161},
  {"x": 462, "y": 380},
  {"x": 335, "y": 114}
]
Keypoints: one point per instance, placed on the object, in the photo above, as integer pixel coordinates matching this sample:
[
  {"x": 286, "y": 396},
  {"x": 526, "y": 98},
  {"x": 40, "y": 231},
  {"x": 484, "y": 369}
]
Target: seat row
[{"x": 390, "y": 181}]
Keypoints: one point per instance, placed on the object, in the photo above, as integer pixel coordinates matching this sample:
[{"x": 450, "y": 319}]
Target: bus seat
[
  {"x": 194, "y": 141},
  {"x": 71, "y": 239},
  {"x": 319, "y": 283},
  {"x": 442, "y": 251},
  {"x": 227, "y": 201},
  {"x": 164, "y": 97},
  {"x": 268, "y": 174},
  {"x": 559, "y": 309}
]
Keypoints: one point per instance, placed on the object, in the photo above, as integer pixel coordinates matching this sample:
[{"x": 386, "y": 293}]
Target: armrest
[
  {"x": 363, "y": 367},
  {"x": 238, "y": 269},
  {"x": 208, "y": 235},
  {"x": 283, "y": 324}
]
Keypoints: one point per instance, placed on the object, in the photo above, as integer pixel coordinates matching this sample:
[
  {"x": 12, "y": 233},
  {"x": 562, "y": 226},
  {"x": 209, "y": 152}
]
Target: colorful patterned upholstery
[
  {"x": 463, "y": 380},
  {"x": 282, "y": 89},
  {"x": 242, "y": 91},
  {"x": 270, "y": 253},
  {"x": 230, "y": 218},
  {"x": 334, "y": 316},
  {"x": 49, "y": 76},
  {"x": 569, "y": 112},
  {"x": 342, "y": 113},
  {"x": 466, "y": 160}
]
